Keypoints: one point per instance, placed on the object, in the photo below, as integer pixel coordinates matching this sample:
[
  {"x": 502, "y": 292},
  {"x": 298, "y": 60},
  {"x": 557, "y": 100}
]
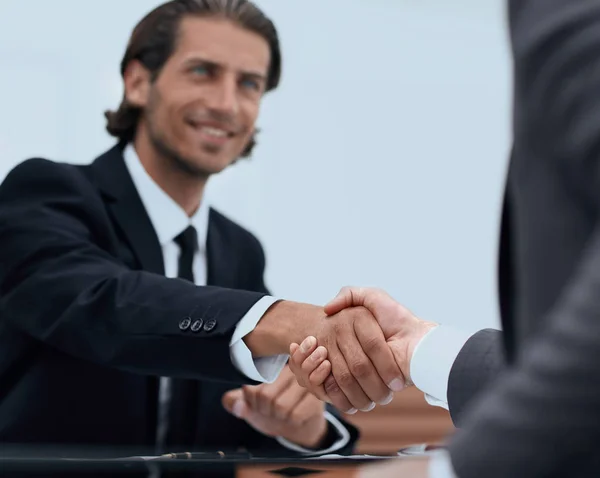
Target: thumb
[
  {"x": 233, "y": 401},
  {"x": 347, "y": 297}
]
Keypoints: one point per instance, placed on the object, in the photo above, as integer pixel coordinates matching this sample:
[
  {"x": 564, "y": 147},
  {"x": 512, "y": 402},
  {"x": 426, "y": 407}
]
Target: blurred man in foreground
[{"x": 527, "y": 400}]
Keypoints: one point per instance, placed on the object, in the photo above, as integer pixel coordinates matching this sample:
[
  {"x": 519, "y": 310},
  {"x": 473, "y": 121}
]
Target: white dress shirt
[
  {"x": 169, "y": 220},
  {"x": 432, "y": 361},
  {"x": 430, "y": 368}
]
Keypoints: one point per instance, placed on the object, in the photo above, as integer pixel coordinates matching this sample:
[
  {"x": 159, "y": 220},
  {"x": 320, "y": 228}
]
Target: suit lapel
[{"x": 113, "y": 179}]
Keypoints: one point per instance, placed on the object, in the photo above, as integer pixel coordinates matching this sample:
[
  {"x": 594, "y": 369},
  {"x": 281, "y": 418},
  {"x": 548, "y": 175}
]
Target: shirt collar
[{"x": 167, "y": 217}]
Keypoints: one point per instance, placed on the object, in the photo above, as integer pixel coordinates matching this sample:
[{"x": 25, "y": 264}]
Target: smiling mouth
[
  {"x": 212, "y": 134},
  {"x": 216, "y": 132}
]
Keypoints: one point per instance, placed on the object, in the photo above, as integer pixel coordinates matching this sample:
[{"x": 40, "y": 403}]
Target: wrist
[
  {"x": 421, "y": 330},
  {"x": 318, "y": 438},
  {"x": 283, "y": 323}
]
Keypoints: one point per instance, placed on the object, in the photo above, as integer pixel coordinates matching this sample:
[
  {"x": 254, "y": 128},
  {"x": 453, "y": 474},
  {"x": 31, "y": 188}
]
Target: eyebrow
[{"x": 212, "y": 64}]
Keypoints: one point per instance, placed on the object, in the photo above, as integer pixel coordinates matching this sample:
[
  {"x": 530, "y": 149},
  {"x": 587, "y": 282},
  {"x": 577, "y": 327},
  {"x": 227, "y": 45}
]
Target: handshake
[{"x": 354, "y": 353}]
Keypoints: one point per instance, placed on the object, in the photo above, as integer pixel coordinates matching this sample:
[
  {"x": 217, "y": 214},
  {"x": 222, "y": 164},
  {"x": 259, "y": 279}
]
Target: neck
[{"x": 185, "y": 189}]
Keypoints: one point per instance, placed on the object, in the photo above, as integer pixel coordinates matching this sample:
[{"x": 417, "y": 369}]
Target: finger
[
  {"x": 287, "y": 400},
  {"x": 347, "y": 297},
  {"x": 313, "y": 361},
  {"x": 345, "y": 379},
  {"x": 318, "y": 377},
  {"x": 268, "y": 393},
  {"x": 306, "y": 348},
  {"x": 291, "y": 363},
  {"x": 376, "y": 348},
  {"x": 337, "y": 398},
  {"x": 360, "y": 365},
  {"x": 297, "y": 358},
  {"x": 305, "y": 410},
  {"x": 233, "y": 401},
  {"x": 250, "y": 395},
  {"x": 229, "y": 398},
  {"x": 307, "y": 368}
]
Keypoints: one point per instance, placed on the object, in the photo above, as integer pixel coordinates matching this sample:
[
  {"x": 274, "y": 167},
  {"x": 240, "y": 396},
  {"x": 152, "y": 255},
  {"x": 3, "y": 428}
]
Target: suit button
[
  {"x": 197, "y": 325},
  {"x": 209, "y": 325},
  {"x": 185, "y": 323}
]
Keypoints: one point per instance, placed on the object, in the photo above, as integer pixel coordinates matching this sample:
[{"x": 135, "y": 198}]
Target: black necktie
[
  {"x": 182, "y": 411},
  {"x": 188, "y": 245}
]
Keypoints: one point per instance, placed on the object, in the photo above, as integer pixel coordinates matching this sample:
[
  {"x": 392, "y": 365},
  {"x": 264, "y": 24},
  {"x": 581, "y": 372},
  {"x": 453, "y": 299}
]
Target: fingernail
[
  {"x": 352, "y": 411},
  {"x": 369, "y": 408},
  {"x": 397, "y": 385},
  {"x": 238, "y": 408},
  {"x": 318, "y": 354},
  {"x": 307, "y": 344},
  {"x": 387, "y": 399}
]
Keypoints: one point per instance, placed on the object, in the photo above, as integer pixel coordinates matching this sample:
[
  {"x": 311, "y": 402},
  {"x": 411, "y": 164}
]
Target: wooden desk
[{"x": 408, "y": 420}]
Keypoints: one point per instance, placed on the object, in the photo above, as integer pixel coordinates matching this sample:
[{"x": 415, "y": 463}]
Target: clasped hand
[
  {"x": 280, "y": 409},
  {"x": 362, "y": 354}
]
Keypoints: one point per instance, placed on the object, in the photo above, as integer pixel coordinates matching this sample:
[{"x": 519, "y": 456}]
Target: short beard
[
  {"x": 174, "y": 158},
  {"x": 164, "y": 148}
]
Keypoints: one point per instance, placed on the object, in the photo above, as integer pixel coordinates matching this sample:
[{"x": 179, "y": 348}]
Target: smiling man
[{"x": 122, "y": 355}]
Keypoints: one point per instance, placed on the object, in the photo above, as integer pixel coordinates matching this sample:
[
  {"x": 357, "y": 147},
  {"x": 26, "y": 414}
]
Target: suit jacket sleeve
[
  {"x": 539, "y": 416},
  {"x": 61, "y": 284},
  {"x": 476, "y": 366}
]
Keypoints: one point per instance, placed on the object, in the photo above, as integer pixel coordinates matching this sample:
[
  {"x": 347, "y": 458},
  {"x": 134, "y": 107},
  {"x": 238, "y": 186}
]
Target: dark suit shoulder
[
  {"x": 40, "y": 176},
  {"x": 244, "y": 251},
  {"x": 44, "y": 192},
  {"x": 234, "y": 231}
]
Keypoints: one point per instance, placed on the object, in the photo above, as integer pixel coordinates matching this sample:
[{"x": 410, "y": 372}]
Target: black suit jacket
[
  {"x": 88, "y": 321},
  {"x": 541, "y": 416}
]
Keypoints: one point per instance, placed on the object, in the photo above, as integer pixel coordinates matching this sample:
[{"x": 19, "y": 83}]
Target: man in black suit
[
  {"x": 527, "y": 399},
  {"x": 97, "y": 347}
]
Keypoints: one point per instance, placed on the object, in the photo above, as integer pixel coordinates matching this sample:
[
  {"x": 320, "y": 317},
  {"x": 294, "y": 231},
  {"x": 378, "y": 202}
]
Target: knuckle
[
  {"x": 348, "y": 291},
  {"x": 307, "y": 368},
  {"x": 331, "y": 386},
  {"x": 360, "y": 368},
  {"x": 296, "y": 418},
  {"x": 345, "y": 379},
  {"x": 266, "y": 396},
  {"x": 315, "y": 381},
  {"x": 372, "y": 344},
  {"x": 357, "y": 312},
  {"x": 280, "y": 408},
  {"x": 252, "y": 391}
]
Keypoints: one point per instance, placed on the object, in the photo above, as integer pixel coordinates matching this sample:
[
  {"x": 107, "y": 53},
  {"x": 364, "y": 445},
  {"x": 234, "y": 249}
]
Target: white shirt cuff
[
  {"x": 341, "y": 442},
  {"x": 432, "y": 361},
  {"x": 261, "y": 369},
  {"x": 440, "y": 466}
]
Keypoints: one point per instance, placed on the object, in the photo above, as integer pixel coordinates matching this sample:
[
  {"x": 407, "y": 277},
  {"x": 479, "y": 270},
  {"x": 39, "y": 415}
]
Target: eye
[
  {"x": 200, "y": 70},
  {"x": 250, "y": 84}
]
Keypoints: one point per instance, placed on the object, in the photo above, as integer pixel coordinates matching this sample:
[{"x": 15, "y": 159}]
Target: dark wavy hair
[{"x": 154, "y": 39}]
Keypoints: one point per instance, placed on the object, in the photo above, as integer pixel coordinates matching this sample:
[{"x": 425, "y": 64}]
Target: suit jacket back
[{"x": 541, "y": 416}]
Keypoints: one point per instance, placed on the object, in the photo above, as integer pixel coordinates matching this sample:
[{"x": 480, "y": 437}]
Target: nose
[{"x": 224, "y": 98}]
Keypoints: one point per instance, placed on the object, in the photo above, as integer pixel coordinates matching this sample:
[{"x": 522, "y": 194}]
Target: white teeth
[{"x": 219, "y": 133}]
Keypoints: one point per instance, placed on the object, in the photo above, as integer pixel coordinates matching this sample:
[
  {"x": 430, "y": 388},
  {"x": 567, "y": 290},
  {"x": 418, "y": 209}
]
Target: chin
[{"x": 207, "y": 167}]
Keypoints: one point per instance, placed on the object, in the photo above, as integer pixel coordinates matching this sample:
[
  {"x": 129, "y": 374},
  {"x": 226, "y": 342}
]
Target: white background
[{"x": 383, "y": 153}]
